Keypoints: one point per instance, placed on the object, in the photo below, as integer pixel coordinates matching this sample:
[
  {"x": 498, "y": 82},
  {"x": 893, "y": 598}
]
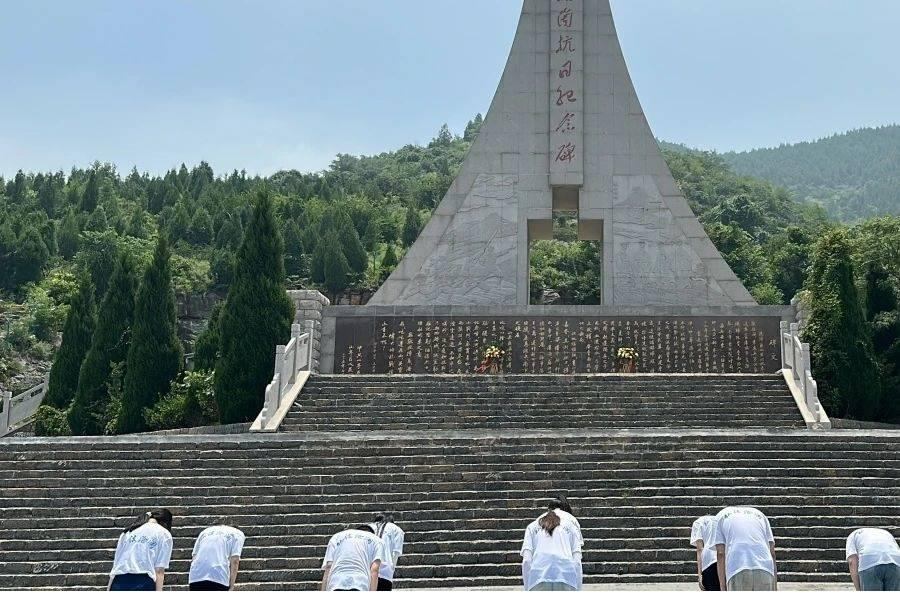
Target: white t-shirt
[
  {"x": 874, "y": 547},
  {"x": 212, "y": 554},
  {"x": 351, "y": 554},
  {"x": 392, "y": 536},
  {"x": 554, "y": 558},
  {"x": 746, "y": 534},
  {"x": 703, "y": 530},
  {"x": 142, "y": 551}
]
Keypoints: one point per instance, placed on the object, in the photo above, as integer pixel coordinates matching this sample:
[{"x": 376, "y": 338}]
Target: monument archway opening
[{"x": 565, "y": 269}]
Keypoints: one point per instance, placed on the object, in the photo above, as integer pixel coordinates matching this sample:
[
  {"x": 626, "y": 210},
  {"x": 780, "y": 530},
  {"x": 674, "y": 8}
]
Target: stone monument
[{"x": 565, "y": 131}]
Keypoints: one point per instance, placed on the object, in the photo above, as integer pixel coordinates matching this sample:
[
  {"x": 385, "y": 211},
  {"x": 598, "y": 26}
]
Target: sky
[{"x": 265, "y": 85}]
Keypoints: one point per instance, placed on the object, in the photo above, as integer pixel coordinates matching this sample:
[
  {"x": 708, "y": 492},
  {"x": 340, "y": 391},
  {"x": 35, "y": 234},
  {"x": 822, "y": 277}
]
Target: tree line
[{"x": 68, "y": 241}]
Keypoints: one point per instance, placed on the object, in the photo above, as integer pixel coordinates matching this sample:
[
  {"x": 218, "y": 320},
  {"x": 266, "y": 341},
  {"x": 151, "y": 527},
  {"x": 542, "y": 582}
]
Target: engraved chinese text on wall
[
  {"x": 398, "y": 345},
  {"x": 567, "y": 92}
]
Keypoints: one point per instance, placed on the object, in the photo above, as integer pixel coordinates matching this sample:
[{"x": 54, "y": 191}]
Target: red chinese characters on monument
[{"x": 566, "y": 88}]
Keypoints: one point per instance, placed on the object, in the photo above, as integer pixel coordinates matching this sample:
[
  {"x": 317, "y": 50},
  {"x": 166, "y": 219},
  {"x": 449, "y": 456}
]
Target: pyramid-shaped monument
[{"x": 565, "y": 131}]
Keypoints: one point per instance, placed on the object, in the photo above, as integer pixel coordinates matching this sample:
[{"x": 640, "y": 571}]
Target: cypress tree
[
  {"x": 109, "y": 345},
  {"x": 154, "y": 356},
  {"x": 336, "y": 267},
  {"x": 30, "y": 256},
  {"x": 411, "y": 226},
  {"x": 844, "y": 363},
  {"x": 372, "y": 235},
  {"x": 353, "y": 250},
  {"x": 97, "y": 221},
  {"x": 206, "y": 348},
  {"x": 91, "y": 195},
  {"x": 76, "y": 341},
  {"x": 256, "y": 318},
  {"x": 200, "y": 231},
  {"x": 390, "y": 259},
  {"x": 67, "y": 240},
  {"x": 293, "y": 248},
  {"x": 317, "y": 265}
]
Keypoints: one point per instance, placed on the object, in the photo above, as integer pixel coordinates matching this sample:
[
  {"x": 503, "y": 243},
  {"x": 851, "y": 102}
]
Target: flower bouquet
[
  {"x": 627, "y": 358},
  {"x": 492, "y": 362}
]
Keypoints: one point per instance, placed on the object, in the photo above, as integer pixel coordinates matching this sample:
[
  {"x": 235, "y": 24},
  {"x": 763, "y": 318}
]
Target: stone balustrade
[
  {"x": 293, "y": 363},
  {"x": 797, "y": 368},
  {"x": 20, "y": 408}
]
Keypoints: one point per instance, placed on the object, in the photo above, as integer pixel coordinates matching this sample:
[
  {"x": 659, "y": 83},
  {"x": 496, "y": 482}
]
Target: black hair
[
  {"x": 381, "y": 520},
  {"x": 364, "y": 528},
  {"x": 551, "y": 520},
  {"x": 163, "y": 516},
  {"x": 562, "y": 503}
]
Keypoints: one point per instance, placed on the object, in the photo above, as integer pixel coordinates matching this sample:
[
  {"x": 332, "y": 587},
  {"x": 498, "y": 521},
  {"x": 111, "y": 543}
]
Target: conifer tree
[
  {"x": 411, "y": 226},
  {"x": 98, "y": 221},
  {"x": 293, "y": 248},
  {"x": 91, "y": 196},
  {"x": 317, "y": 265},
  {"x": 154, "y": 355},
  {"x": 372, "y": 235},
  {"x": 353, "y": 250},
  {"x": 257, "y": 317},
  {"x": 336, "y": 267},
  {"x": 76, "y": 341},
  {"x": 30, "y": 256},
  {"x": 844, "y": 364},
  {"x": 206, "y": 347},
  {"x": 390, "y": 259},
  {"x": 200, "y": 231},
  {"x": 109, "y": 345},
  {"x": 136, "y": 226},
  {"x": 67, "y": 239}
]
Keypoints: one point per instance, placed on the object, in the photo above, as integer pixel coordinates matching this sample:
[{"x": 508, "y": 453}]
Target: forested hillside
[
  {"x": 63, "y": 236},
  {"x": 854, "y": 175}
]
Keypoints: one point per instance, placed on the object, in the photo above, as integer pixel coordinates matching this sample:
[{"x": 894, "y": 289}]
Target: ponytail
[
  {"x": 549, "y": 521},
  {"x": 382, "y": 520},
  {"x": 161, "y": 515}
]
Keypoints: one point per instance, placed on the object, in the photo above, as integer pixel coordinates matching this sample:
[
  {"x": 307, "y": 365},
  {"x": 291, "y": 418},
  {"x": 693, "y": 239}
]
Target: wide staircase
[
  {"x": 463, "y": 499},
  {"x": 383, "y": 402},
  {"x": 463, "y": 491}
]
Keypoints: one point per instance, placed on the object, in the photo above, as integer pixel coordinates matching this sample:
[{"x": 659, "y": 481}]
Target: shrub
[
  {"x": 190, "y": 403},
  {"x": 51, "y": 422}
]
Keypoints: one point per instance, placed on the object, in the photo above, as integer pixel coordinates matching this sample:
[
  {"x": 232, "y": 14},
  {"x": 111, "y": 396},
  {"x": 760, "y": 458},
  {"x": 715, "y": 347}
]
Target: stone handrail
[
  {"x": 20, "y": 408},
  {"x": 293, "y": 362},
  {"x": 797, "y": 368}
]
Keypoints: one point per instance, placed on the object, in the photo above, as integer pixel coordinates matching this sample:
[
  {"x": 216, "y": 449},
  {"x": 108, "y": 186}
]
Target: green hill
[{"x": 853, "y": 175}]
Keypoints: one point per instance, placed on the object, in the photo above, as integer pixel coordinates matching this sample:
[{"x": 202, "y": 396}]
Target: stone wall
[
  {"x": 309, "y": 305},
  {"x": 551, "y": 339}
]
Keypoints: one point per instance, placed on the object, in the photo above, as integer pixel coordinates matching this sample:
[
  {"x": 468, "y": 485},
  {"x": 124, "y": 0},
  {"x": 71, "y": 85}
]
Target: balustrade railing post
[
  {"x": 279, "y": 367},
  {"x": 311, "y": 330},
  {"x": 7, "y": 411},
  {"x": 784, "y": 329},
  {"x": 296, "y": 332}
]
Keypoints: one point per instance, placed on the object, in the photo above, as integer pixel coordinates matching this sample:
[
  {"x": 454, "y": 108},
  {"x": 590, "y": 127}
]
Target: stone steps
[
  {"x": 414, "y": 402},
  {"x": 463, "y": 496}
]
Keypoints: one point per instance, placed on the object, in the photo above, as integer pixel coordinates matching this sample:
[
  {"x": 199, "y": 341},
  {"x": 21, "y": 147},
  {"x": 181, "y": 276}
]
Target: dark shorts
[
  {"x": 385, "y": 585},
  {"x": 133, "y": 583},
  {"x": 207, "y": 586},
  {"x": 711, "y": 579}
]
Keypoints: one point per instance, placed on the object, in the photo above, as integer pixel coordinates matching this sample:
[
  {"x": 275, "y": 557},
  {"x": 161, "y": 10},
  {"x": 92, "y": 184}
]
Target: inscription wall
[{"x": 455, "y": 345}]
